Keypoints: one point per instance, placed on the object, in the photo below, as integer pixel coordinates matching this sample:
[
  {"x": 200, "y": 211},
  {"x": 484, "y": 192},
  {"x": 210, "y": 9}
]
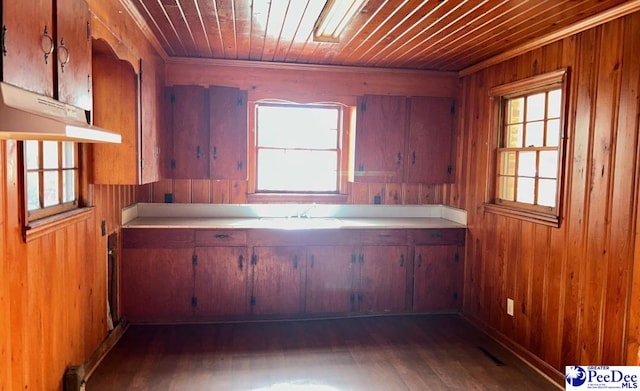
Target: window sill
[
  {"x": 47, "y": 225},
  {"x": 533, "y": 217},
  {"x": 259, "y": 198}
]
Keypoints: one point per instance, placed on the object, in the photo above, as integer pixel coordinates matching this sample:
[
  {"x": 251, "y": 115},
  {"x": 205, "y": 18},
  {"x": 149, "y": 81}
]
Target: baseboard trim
[
  {"x": 76, "y": 378},
  {"x": 526, "y": 356}
]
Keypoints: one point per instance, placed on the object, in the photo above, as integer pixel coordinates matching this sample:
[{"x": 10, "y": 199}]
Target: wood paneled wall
[
  {"x": 572, "y": 285},
  {"x": 235, "y": 192}
]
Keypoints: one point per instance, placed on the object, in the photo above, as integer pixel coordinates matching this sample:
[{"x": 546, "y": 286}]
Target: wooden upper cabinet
[
  {"x": 151, "y": 90},
  {"x": 190, "y": 132},
  {"x": 228, "y": 127},
  {"x": 73, "y": 53},
  {"x": 33, "y": 50},
  {"x": 380, "y": 138},
  {"x": 429, "y": 147},
  {"x": 28, "y": 41},
  {"x": 115, "y": 108}
]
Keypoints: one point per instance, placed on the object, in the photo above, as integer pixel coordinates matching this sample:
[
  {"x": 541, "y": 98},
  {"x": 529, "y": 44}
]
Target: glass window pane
[
  {"x": 513, "y": 137},
  {"x": 535, "y": 106},
  {"x": 515, "y": 110},
  {"x": 553, "y": 133},
  {"x": 527, "y": 164},
  {"x": 507, "y": 163},
  {"x": 547, "y": 189},
  {"x": 50, "y": 154},
  {"x": 506, "y": 187},
  {"x": 68, "y": 154},
  {"x": 534, "y": 134},
  {"x": 68, "y": 185},
  {"x": 297, "y": 127},
  {"x": 526, "y": 190},
  {"x": 548, "y": 164},
  {"x": 32, "y": 152},
  {"x": 555, "y": 104},
  {"x": 295, "y": 170},
  {"x": 33, "y": 191},
  {"x": 51, "y": 191}
]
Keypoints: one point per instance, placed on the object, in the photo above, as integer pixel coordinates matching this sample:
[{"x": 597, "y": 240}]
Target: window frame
[
  {"x": 255, "y": 195},
  {"x": 541, "y": 83},
  {"x": 41, "y": 221}
]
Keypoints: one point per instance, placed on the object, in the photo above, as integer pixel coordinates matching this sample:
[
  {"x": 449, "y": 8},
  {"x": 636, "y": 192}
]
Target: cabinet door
[
  {"x": 278, "y": 275},
  {"x": 380, "y": 137},
  {"x": 437, "y": 278},
  {"x": 329, "y": 287},
  {"x": 116, "y": 81},
  {"x": 383, "y": 279},
  {"x": 73, "y": 52},
  {"x": 24, "y": 62},
  {"x": 228, "y": 127},
  {"x": 190, "y": 125},
  {"x": 156, "y": 284},
  {"x": 430, "y": 140},
  {"x": 221, "y": 281},
  {"x": 150, "y": 98}
]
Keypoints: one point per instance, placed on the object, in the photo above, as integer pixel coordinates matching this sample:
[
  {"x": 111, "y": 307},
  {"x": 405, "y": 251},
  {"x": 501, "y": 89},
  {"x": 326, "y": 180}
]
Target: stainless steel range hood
[{"x": 25, "y": 115}]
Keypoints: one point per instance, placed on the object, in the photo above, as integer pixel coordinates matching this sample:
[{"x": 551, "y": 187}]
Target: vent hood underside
[{"x": 25, "y": 115}]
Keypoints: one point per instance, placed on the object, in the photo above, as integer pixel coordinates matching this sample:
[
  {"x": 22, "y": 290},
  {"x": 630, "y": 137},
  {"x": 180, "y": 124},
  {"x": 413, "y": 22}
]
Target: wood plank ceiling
[{"x": 447, "y": 35}]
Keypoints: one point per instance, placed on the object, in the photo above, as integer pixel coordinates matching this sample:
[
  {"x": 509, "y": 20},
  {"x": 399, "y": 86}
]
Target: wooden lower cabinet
[
  {"x": 156, "y": 284},
  {"x": 278, "y": 280},
  {"x": 221, "y": 282},
  {"x": 209, "y": 274},
  {"x": 382, "y": 283},
  {"x": 438, "y": 278},
  {"x": 329, "y": 282}
]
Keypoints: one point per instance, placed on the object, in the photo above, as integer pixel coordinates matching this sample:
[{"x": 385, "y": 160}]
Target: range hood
[{"x": 25, "y": 115}]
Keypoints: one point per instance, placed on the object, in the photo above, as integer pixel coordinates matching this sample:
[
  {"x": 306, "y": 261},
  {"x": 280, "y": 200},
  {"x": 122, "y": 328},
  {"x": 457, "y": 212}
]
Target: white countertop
[{"x": 285, "y": 216}]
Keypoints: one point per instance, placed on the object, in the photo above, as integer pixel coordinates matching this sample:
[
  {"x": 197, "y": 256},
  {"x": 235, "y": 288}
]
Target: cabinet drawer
[
  {"x": 221, "y": 238},
  {"x": 439, "y": 236},
  {"x": 384, "y": 236},
  {"x": 157, "y": 238}
]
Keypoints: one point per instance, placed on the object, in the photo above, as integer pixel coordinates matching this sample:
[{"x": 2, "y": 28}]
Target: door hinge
[
  {"x": 253, "y": 301},
  {"x": 353, "y": 258},
  {"x": 456, "y": 257},
  {"x": 352, "y": 298},
  {"x": 194, "y": 301},
  {"x": 453, "y": 108},
  {"x": 360, "y": 299},
  {"x": 239, "y": 101},
  {"x": 141, "y": 163},
  {"x": 194, "y": 259},
  {"x": 254, "y": 259},
  {"x": 455, "y": 296},
  {"x": 449, "y": 169},
  {"x": 361, "y": 258},
  {"x": 173, "y": 163},
  {"x": 363, "y": 107},
  {"x": 173, "y": 98}
]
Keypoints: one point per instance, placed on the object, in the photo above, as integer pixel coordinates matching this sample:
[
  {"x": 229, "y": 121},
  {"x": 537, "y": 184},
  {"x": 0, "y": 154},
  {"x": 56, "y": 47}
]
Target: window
[
  {"x": 528, "y": 154},
  {"x": 51, "y": 169},
  {"x": 298, "y": 148}
]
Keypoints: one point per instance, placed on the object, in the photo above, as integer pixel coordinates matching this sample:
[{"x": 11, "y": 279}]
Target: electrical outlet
[{"x": 510, "y": 307}]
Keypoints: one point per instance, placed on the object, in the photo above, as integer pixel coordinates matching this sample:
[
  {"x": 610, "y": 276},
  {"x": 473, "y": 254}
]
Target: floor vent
[{"x": 493, "y": 358}]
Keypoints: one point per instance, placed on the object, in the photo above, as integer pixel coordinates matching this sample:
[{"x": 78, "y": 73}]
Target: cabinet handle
[
  {"x": 46, "y": 44},
  {"x": 413, "y": 159},
  {"x": 63, "y": 55},
  {"x": 399, "y": 161},
  {"x": 239, "y": 165},
  {"x": 352, "y": 298},
  {"x": 88, "y": 83},
  {"x": 313, "y": 260},
  {"x": 240, "y": 262},
  {"x": 198, "y": 152},
  {"x": 384, "y": 235},
  {"x": 360, "y": 299},
  {"x": 361, "y": 258},
  {"x": 420, "y": 260},
  {"x": 215, "y": 152},
  {"x": 4, "y": 40},
  {"x": 295, "y": 261},
  {"x": 221, "y": 236},
  {"x": 401, "y": 260}
]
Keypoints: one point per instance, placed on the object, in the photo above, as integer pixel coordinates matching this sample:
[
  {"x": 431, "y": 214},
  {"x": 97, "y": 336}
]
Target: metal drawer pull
[{"x": 221, "y": 236}]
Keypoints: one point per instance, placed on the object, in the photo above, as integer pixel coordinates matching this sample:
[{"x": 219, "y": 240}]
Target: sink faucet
[{"x": 305, "y": 213}]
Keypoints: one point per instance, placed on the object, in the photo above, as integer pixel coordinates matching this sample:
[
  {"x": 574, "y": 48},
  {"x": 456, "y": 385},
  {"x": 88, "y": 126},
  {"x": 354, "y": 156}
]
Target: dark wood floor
[{"x": 437, "y": 352}]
